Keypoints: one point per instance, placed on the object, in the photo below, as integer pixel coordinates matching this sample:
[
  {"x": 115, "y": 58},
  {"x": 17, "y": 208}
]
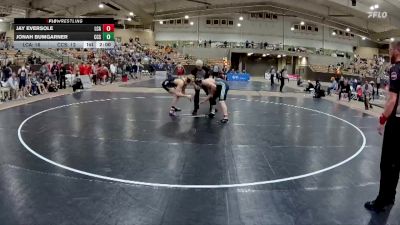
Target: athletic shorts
[
  {"x": 168, "y": 84},
  {"x": 22, "y": 83},
  {"x": 222, "y": 92}
]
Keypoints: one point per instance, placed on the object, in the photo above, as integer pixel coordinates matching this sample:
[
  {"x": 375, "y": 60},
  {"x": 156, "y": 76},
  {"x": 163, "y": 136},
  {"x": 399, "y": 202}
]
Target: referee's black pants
[
  {"x": 390, "y": 162},
  {"x": 197, "y": 98}
]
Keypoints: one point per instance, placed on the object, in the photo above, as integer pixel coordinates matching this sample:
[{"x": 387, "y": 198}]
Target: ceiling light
[
  {"x": 333, "y": 33},
  {"x": 391, "y": 39},
  {"x": 186, "y": 17},
  {"x": 1, "y": 20},
  {"x": 372, "y": 8},
  {"x": 249, "y": 54},
  {"x": 279, "y": 56},
  {"x": 283, "y": 55},
  {"x": 161, "y": 22},
  {"x": 267, "y": 54},
  {"x": 363, "y": 38},
  {"x": 347, "y": 29},
  {"x": 241, "y": 18},
  {"x": 239, "y": 25},
  {"x": 191, "y": 23},
  {"x": 264, "y": 55},
  {"x": 302, "y": 23},
  {"x": 376, "y": 6},
  {"x": 129, "y": 19},
  {"x": 131, "y": 14},
  {"x": 101, "y": 5},
  {"x": 292, "y": 28}
]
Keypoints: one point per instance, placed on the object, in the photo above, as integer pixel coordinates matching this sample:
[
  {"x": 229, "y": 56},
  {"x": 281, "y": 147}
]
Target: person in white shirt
[
  {"x": 12, "y": 83},
  {"x": 113, "y": 70}
]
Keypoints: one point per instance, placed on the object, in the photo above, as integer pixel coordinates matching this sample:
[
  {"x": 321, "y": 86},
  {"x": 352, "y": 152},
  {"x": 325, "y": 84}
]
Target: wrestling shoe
[
  {"x": 224, "y": 120},
  {"x": 176, "y": 109}
]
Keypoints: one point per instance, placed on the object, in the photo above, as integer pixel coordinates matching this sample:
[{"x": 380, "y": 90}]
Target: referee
[{"x": 390, "y": 159}]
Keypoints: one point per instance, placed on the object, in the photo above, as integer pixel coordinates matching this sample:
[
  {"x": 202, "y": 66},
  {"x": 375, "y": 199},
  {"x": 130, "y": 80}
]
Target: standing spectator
[
  {"x": 283, "y": 77},
  {"x": 62, "y": 76},
  {"x": 345, "y": 89},
  {"x": 23, "y": 74},
  {"x": 55, "y": 71},
  {"x": 378, "y": 85},
  {"x": 272, "y": 75},
  {"x": 44, "y": 69},
  {"x": 216, "y": 71},
  {"x": 113, "y": 70},
  {"x": 6, "y": 72},
  {"x": 367, "y": 92}
]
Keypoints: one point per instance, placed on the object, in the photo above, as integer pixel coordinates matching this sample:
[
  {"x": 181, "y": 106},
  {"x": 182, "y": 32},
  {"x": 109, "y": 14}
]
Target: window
[
  {"x": 253, "y": 15},
  {"x": 309, "y": 28},
  {"x": 296, "y": 27},
  {"x": 352, "y": 35},
  {"x": 316, "y": 29},
  {"x": 215, "y": 22},
  {"x": 208, "y": 22},
  {"x": 303, "y": 27},
  {"x": 230, "y": 22},
  {"x": 267, "y": 15},
  {"x": 260, "y": 15},
  {"x": 179, "y": 21},
  {"x": 341, "y": 33},
  {"x": 274, "y": 16},
  {"x": 172, "y": 22},
  {"x": 347, "y": 34},
  {"x": 223, "y": 22},
  {"x": 164, "y": 22},
  {"x": 185, "y": 21}
]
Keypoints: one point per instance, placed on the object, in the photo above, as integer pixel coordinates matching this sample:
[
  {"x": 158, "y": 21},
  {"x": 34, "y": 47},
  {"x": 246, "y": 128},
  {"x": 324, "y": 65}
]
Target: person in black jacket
[
  {"x": 200, "y": 73},
  {"x": 345, "y": 88}
]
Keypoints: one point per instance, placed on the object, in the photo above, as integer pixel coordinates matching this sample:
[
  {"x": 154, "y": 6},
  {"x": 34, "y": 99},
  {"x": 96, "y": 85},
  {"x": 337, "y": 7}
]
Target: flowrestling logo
[{"x": 377, "y": 15}]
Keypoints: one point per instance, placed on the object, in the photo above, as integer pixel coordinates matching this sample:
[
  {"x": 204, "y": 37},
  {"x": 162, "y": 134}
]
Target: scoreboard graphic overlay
[{"x": 64, "y": 33}]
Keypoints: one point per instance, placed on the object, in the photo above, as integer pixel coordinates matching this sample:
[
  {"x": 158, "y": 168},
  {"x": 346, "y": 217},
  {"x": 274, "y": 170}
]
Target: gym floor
[{"x": 118, "y": 158}]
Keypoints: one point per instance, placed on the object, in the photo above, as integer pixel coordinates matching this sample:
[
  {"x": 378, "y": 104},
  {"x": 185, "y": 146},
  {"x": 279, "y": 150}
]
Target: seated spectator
[
  {"x": 309, "y": 87},
  {"x": 319, "y": 92},
  {"x": 4, "y": 91},
  {"x": 333, "y": 86},
  {"x": 77, "y": 83},
  {"x": 53, "y": 86},
  {"x": 13, "y": 84}
]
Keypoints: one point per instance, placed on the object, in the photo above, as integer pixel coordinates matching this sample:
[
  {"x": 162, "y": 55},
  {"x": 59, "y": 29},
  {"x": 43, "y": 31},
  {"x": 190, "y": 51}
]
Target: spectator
[
  {"x": 77, "y": 83},
  {"x": 378, "y": 85},
  {"x": 309, "y": 87},
  {"x": 333, "y": 86},
  {"x": 23, "y": 74},
  {"x": 62, "y": 76},
  {"x": 345, "y": 89},
  {"x": 6, "y": 72},
  {"x": 113, "y": 71},
  {"x": 367, "y": 92},
  {"x": 12, "y": 83}
]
